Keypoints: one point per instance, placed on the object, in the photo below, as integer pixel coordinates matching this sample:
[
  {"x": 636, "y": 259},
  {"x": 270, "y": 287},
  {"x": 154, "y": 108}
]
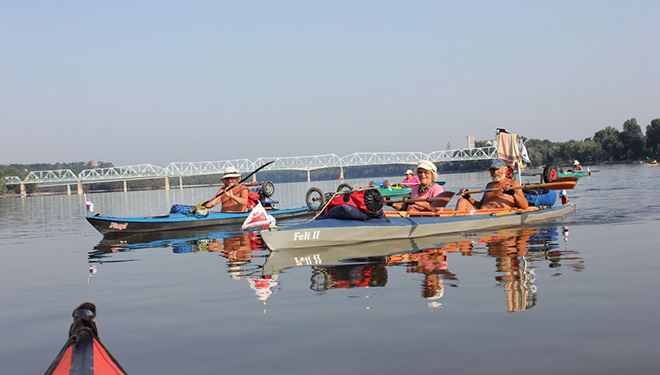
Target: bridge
[{"x": 182, "y": 169}]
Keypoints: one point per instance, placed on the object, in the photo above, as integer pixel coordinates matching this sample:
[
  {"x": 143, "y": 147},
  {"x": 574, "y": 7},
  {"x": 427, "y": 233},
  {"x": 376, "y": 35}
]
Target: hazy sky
[{"x": 133, "y": 82}]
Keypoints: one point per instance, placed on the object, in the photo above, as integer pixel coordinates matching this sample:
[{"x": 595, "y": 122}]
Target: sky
[{"x": 154, "y": 82}]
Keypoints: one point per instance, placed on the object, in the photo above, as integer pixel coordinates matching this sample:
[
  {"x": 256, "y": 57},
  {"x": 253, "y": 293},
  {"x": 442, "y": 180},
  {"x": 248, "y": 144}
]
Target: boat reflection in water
[
  {"x": 244, "y": 252},
  {"x": 517, "y": 253}
]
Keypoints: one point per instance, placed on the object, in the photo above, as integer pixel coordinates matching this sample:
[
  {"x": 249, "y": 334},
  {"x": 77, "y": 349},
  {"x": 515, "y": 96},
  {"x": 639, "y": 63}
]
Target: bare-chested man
[{"x": 505, "y": 198}]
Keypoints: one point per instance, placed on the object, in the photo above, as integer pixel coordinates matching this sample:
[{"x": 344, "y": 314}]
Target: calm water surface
[{"x": 579, "y": 296}]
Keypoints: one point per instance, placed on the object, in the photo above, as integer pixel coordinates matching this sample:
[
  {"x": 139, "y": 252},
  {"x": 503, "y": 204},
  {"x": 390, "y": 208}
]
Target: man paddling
[
  {"x": 501, "y": 197},
  {"x": 234, "y": 197}
]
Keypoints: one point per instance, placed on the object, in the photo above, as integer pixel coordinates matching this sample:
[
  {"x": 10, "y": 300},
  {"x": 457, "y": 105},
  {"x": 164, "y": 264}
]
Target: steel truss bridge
[{"x": 182, "y": 169}]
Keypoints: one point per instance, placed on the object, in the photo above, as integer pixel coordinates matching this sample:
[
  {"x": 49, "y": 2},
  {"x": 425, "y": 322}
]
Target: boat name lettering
[
  {"x": 308, "y": 260},
  {"x": 120, "y": 226},
  {"x": 307, "y": 235}
]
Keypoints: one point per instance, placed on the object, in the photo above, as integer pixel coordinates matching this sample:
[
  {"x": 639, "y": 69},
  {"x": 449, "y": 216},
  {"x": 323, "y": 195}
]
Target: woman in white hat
[
  {"x": 576, "y": 166},
  {"x": 427, "y": 188},
  {"x": 411, "y": 179},
  {"x": 234, "y": 197}
]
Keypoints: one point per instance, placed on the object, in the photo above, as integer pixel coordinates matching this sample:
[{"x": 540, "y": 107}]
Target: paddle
[
  {"x": 558, "y": 184},
  {"x": 239, "y": 182}
]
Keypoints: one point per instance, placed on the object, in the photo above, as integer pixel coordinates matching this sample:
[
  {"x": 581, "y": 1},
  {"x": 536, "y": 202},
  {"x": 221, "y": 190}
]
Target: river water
[{"x": 578, "y": 296}]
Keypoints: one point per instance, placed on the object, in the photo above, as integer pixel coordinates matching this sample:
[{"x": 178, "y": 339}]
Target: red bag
[
  {"x": 369, "y": 201},
  {"x": 253, "y": 198}
]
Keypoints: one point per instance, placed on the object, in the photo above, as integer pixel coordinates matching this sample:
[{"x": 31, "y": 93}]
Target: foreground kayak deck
[
  {"x": 333, "y": 232},
  {"x": 111, "y": 225}
]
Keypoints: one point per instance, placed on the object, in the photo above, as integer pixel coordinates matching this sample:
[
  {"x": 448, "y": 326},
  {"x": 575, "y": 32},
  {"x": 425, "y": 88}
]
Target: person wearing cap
[
  {"x": 411, "y": 179},
  {"x": 576, "y": 166},
  {"x": 427, "y": 188},
  {"x": 502, "y": 195},
  {"x": 233, "y": 196}
]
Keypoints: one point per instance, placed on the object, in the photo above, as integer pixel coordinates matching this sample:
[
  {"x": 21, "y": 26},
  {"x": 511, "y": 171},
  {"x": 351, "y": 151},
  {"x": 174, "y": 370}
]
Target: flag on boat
[
  {"x": 88, "y": 204},
  {"x": 84, "y": 353},
  {"x": 258, "y": 217}
]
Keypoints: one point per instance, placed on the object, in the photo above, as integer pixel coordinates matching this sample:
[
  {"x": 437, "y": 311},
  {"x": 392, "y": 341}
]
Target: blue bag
[{"x": 540, "y": 197}]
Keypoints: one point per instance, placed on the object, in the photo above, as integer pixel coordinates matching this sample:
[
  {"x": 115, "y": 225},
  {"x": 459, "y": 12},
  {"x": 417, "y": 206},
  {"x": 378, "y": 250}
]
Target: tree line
[{"x": 607, "y": 145}]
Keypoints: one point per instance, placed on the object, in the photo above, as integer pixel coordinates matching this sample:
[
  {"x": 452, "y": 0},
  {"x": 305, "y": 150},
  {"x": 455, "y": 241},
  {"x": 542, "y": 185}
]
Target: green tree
[
  {"x": 653, "y": 137},
  {"x": 610, "y": 141},
  {"x": 633, "y": 140}
]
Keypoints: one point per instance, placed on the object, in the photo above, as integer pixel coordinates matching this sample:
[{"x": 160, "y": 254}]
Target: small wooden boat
[
  {"x": 402, "y": 225},
  {"x": 111, "y": 225},
  {"x": 655, "y": 164}
]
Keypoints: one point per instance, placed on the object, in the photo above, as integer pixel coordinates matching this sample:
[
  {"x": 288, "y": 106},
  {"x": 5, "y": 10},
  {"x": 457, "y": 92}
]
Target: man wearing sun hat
[
  {"x": 234, "y": 197},
  {"x": 502, "y": 195},
  {"x": 411, "y": 179}
]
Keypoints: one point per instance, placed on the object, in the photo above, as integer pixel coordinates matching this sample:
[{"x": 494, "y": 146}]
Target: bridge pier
[
  {"x": 22, "y": 190},
  {"x": 180, "y": 182},
  {"x": 309, "y": 177},
  {"x": 341, "y": 172},
  {"x": 125, "y": 187},
  {"x": 167, "y": 183},
  {"x": 79, "y": 190},
  {"x": 68, "y": 189}
]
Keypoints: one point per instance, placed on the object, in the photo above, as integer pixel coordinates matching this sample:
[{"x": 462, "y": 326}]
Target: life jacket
[{"x": 356, "y": 205}]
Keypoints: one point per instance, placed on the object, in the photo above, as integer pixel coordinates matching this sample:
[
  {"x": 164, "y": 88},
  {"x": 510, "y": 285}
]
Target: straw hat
[{"x": 230, "y": 172}]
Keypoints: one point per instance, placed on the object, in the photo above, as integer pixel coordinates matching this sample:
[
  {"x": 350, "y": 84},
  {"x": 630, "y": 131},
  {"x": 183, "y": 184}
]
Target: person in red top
[
  {"x": 411, "y": 179},
  {"x": 234, "y": 197}
]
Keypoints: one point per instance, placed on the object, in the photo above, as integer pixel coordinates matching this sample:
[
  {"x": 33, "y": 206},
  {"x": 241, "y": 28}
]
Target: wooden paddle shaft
[{"x": 559, "y": 184}]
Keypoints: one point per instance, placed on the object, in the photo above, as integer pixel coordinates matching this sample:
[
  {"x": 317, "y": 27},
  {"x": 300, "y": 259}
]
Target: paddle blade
[{"x": 558, "y": 184}]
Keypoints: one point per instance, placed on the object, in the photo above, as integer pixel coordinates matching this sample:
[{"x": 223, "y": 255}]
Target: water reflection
[
  {"x": 516, "y": 254},
  {"x": 433, "y": 264}
]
